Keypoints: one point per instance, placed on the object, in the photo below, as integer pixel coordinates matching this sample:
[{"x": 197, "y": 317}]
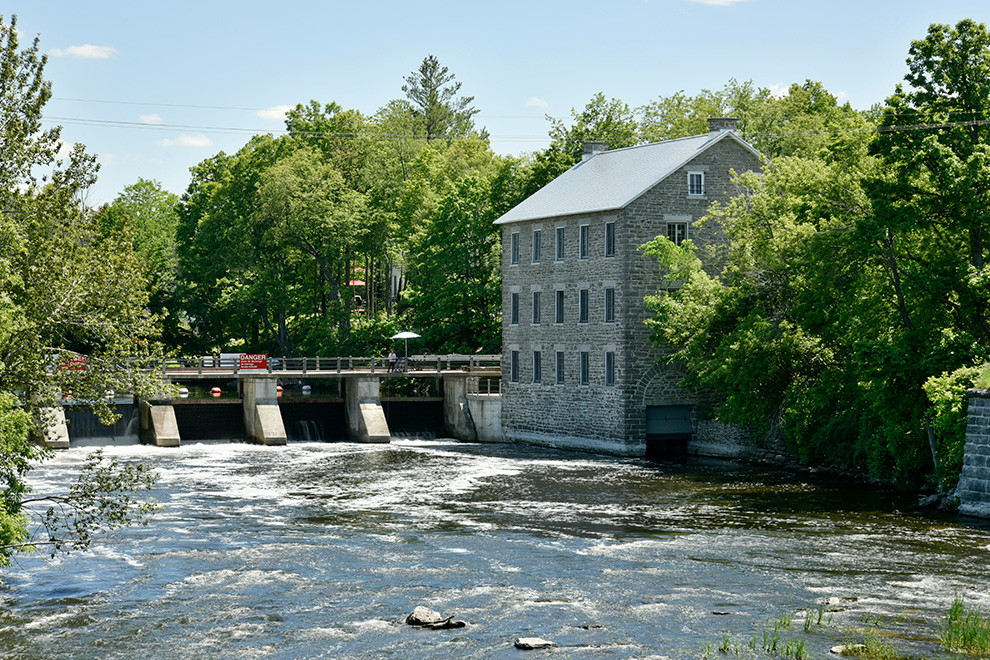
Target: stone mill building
[{"x": 579, "y": 370}]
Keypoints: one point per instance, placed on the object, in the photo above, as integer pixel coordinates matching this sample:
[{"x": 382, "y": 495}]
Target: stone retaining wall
[{"x": 974, "y": 483}]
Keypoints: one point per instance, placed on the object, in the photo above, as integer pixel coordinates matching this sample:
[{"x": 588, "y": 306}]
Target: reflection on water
[{"x": 319, "y": 550}]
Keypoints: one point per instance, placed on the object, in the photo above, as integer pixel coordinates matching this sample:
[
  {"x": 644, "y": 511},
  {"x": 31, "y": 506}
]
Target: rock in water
[
  {"x": 423, "y": 616},
  {"x": 448, "y": 624},
  {"x": 848, "y": 649},
  {"x": 533, "y": 643}
]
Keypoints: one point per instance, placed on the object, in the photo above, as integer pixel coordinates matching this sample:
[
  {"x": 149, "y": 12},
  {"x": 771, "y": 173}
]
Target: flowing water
[{"x": 319, "y": 550}]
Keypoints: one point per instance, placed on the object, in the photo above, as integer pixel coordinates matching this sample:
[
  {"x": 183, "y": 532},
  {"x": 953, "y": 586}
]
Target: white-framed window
[
  {"x": 584, "y": 244},
  {"x": 585, "y": 359},
  {"x": 514, "y": 308},
  {"x": 558, "y": 316},
  {"x": 514, "y": 248},
  {"x": 559, "y": 367},
  {"x": 609, "y": 239},
  {"x": 537, "y": 367},
  {"x": 677, "y": 232},
  {"x": 537, "y": 245},
  {"x": 514, "y": 366},
  {"x": 696, "y": 184},
  {"x": 609, "y": 368},
  {"x": 583, "y": 306},
  {"x": 559, "y": 243},
  {"x": 610, "y": 304},
  {"x": 536, "y": 308}
]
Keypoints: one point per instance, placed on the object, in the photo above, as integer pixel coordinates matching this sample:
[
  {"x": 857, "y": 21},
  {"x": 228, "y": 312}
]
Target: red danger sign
[
  {"x": 75, "y": 364},
  {"x": 254, "y": 361}
]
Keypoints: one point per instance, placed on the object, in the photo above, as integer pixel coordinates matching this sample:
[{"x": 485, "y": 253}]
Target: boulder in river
[
  {"x": 533, "y": 643},
  {"x": 448, "y": 624},
  {"x": 424, "y": 616}
]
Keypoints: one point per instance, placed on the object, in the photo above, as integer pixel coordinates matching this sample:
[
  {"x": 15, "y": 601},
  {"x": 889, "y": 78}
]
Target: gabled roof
[{"x": 611, "y": 180}]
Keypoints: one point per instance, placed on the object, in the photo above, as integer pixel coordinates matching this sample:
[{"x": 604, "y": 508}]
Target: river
[{"x": 319, "y": 550}]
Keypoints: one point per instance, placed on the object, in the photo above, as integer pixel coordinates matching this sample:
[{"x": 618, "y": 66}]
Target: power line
[
  {"x": 235, "y": 130},
  {"x": 234, "y": 107},
  {"x": 110, "y": 123}
]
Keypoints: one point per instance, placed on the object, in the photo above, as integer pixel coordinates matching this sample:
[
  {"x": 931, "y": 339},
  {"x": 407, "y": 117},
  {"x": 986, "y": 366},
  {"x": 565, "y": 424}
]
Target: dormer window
[{"x": 696, "y": 184}]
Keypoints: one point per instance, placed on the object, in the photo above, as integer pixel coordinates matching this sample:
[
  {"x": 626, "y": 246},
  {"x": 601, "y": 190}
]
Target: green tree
[
  {"x": 67, "y": 289},
  {"x": 935, "y": 136},
  {"x": 680, "y": 115},
  {"x": 340, "y": 135},
  {"x": 434, "y": 94},
  {"x": 316, "y": 225},
  {"x": 837, "y": 300},
  {"x": 147, "y": 212},
  {"x": 454, "y": 296},
  {"x": 601, "y": 120},
  {"x": 224, "y": 249}
]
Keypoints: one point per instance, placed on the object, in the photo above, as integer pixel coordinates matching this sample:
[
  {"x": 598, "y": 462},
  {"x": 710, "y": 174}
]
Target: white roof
[{"x": 611, "y": 180}]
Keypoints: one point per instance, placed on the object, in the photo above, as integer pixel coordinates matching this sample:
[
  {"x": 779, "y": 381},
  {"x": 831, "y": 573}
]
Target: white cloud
[
  {"x": 778, "y": 90},
  {"x": 537, "y": 102},
  {"x": 186, "y": 141},
  {"x": 151, "y": 119},
  {"x": 717, "y": 3},
  {"x": 85, "y": 52},
  {"x": 276, "y": 112}
]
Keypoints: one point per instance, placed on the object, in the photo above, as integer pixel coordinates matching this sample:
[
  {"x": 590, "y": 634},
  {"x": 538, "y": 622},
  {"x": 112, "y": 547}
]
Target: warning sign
[{"x": 253, "y": 362}]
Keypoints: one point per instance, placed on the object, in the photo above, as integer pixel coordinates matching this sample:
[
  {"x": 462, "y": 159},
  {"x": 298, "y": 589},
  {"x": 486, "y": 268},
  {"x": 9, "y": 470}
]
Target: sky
[{"x": 153, "y": 88}]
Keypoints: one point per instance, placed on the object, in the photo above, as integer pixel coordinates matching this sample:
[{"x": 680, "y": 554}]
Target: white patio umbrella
[{"x": 406, "y": 336}]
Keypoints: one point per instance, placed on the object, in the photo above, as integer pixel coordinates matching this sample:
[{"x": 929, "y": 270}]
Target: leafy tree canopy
[{"x": 69, "y": 287}]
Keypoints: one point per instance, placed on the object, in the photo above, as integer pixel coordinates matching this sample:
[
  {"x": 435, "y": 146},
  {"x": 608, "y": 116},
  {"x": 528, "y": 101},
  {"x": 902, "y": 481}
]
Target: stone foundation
[{"x": 974, "y": 482}]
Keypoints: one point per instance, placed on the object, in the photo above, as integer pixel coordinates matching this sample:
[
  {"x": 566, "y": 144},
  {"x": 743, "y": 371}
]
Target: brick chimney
[
  {"x": 719, "y": 124},
  {"x": 593, "y": 149}
]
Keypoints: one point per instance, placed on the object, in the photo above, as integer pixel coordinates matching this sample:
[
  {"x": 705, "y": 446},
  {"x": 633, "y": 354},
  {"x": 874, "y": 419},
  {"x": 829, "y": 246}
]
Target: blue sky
[{"x": 155, "y": 87}]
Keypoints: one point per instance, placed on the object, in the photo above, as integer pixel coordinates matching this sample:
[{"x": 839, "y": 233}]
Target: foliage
[
  {"x": 966, "y": 630},
  {"x": 840, "y": 295},
  {"x": 73, "y": 297},
  {"x": 271, "y": 238},
  {"x": 454, "y": 296},
  {"x": 438, "y": 109},
  {"x": 66, "y": 287},
  {"x": 103, "y": 498},
  {"x": 16, "y": 456},
  {"x": 947, "y": 394},
  {"x": 146, "y": 212}
]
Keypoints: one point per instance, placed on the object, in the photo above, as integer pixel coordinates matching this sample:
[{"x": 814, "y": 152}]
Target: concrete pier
[
  {"x": 158, "y": 425},
  {"x": 262, "y": 419},
  {"x": 363, "y": 412},
  {"x": 457, "y": 418},
  {"x": 52, "y": 430}
]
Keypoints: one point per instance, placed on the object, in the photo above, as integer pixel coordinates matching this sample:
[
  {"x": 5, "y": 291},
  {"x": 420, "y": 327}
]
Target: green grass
[{"x": 966, "y": 630}]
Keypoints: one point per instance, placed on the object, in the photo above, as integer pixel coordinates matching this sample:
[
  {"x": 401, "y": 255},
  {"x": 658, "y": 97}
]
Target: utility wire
[{"x": 82, "y": 121}]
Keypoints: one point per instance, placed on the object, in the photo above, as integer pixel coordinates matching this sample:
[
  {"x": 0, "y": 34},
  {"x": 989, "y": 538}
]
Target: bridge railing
[{"x": 328, "y": 365}]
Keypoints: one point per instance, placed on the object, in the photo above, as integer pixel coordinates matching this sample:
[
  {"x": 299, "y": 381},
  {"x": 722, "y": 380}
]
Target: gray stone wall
[
  {"x": 643, "y": 220},
  {"x": 569, "y": 409},
  {"x": 974, "y": 482},
  {"x": 598, "y": 416}
]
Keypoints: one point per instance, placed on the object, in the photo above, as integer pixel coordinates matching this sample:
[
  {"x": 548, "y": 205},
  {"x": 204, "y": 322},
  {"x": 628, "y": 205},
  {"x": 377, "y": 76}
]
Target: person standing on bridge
[{"x": 392, "y": 357}]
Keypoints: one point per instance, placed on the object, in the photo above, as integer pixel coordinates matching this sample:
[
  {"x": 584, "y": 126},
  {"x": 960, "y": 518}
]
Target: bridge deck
[
  {"x": 423, "y": 366},
  {"x": 215, "y": 373}
]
